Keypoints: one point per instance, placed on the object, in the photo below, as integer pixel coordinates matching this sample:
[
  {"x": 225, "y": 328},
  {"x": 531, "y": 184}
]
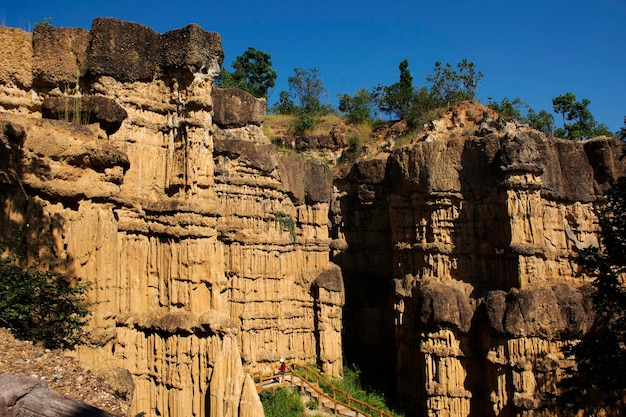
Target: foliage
[
  {"x": 542, "y": 121},
  {"x": 73, "y": 111},
  {"x": 578, "y": 122},
  {"x": 47, "y": 23},
  {"x": 598, "y": 382},
  {"x": 284, "y": 220},
  {"x": 424, "y": 108},
  {"x": 309, "y": 90},
  {"x": 40, "y": 305},
  {"x": 358, "y": 108},
  {"x": 621, "y": 134},
  {"x": 449, "y": 85},
  {"x": 508, "y": 108},
  {"x": 351, "y": 384},
  {"x": 396, "y": 99},
  {"x": 285, "y": 105},
  {"x": 304, "y": 122},
  {"x": 281, "y": 402},
  {"x": 252, "y": 72}
]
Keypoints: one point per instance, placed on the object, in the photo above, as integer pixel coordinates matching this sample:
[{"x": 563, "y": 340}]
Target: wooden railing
[{"x": 315, "y": 381}]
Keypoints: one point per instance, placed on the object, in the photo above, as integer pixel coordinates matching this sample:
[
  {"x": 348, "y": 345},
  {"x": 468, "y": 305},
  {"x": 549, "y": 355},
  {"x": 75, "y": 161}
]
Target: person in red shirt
[{"x": 282, "y": 368}]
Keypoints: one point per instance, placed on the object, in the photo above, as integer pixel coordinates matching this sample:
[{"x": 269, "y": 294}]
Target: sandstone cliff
[
  {"x": 208, "y": 250},
  {"x": 461, "y": 277}
]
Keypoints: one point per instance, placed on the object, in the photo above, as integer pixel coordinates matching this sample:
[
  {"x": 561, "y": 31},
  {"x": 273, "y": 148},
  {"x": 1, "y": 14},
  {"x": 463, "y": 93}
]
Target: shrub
[
  {"x": 304, "y": 122},
  {"x": 42, "y": 306},
  {"x": 282, "y": 402},
  {"x": 285, "y": 221}
]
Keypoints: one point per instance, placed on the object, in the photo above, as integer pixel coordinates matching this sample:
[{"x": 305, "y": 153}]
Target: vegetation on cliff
[
  {"x": 252, "y": 73},
  {"x": 597, "y": 381},
  {"x": 447, "y": 85}
]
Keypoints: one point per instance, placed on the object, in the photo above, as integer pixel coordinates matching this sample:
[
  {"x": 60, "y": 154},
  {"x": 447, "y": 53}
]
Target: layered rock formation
[
  {"x": 207, "y": 250},
  {"x": 461, "y": 249},
  {"x": 210, "y": 252}
]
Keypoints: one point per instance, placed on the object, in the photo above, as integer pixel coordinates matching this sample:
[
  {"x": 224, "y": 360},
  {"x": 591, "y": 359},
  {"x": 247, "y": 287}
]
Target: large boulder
[
  {"x": 16, "y": 65},
  {"x": 233, "y": 108},
  {"x": 60, "y": 56}
]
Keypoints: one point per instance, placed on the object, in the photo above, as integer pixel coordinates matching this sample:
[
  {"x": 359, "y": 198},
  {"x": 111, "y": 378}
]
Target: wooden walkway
[{"x": 308, "y": 381}]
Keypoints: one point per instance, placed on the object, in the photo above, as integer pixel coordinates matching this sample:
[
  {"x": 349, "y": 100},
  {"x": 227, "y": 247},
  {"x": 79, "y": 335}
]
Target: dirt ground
[{"x": 60, "y": 370}]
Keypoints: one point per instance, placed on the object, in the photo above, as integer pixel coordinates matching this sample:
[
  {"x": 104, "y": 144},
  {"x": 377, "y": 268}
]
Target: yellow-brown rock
[
  {"x": 203, "y": 246},
  {"x": 476, "y": 222}
]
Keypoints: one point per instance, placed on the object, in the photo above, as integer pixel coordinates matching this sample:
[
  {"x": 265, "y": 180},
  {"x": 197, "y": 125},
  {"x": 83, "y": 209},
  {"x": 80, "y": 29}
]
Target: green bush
[
  {"x": 351, "y": 383},
  {"x": 282, "y": 402},
  {"x": 304, "y": 122},
  {"x": 285, "y": 221},
  {"x": 42, "y": 306}
]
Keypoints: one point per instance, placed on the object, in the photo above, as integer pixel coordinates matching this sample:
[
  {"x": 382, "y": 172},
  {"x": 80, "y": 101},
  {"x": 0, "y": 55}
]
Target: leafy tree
[
  {"x": 542, "y": 121},
  {"x": 252, "y": 72},
  {"x": 450, "y": 85},
  {"x": 578, "y": 122},
  {"x": 508, "y": 108},
  {"x": 423, "y": 108},
  {"x": 359, "y": 107},
  {"x": 621, "y": 134},
  {"x": 308, "y": 89},
  {"x": 285, "y": 105},
  {"x": 396, "y": 99},
  {"x": 598, "y": 383}
]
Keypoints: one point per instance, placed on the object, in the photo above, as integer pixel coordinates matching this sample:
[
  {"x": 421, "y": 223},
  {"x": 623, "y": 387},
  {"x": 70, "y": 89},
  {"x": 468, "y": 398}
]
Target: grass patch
[
  {"x": 282, "y": 402},
  {"x": 351, "y": 383}
]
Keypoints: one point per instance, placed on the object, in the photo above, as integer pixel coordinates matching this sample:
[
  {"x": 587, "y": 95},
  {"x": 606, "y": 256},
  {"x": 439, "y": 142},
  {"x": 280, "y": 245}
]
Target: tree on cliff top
[
  {"x": 450, "y": 85},
  {"x": 396, "y": 98},
  {"x": 598, "y": 382},
  {"x": 253, "y": 73},
  {"x": 578, "y": 122}
]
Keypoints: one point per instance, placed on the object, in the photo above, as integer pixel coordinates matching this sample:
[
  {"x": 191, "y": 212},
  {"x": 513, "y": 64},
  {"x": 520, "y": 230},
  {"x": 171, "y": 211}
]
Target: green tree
[
  {"x": 508, "y": 108},
  {"x": 308, "y": 89},
  {"x": 449, "y": 85},
  {"x": 423, "y": 108},
  {"x": 542, "y": 121},
  {"x": 396, "y": 99},
  {"x": 358, "y": 107},
  {"x": 578, "y": 122},
  {"x": 597, "y": 382},
  {"x": 252, "y": 72},
  {"x": 621, "y": 134},
  {"x": 285, "y": 105}
]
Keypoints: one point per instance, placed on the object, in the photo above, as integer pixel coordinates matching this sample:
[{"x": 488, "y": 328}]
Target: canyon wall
[
  {"x": 207, "y": 250},
  {"x": 461, "y": 272},
  {"x": 212, "y": 255}
]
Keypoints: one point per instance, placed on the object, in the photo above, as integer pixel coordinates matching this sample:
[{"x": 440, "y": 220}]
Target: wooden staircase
[{"x": 308, "y": 382}]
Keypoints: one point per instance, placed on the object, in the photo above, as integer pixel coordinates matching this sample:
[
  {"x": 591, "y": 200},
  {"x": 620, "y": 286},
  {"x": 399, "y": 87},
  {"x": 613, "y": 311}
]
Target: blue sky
[{"x": 533, "y": 49}]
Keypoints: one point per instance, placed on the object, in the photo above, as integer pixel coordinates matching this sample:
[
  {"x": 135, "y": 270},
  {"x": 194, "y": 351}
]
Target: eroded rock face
[
  {"x": 476, "y": 222},
  {"x": 204, "y": 245}
]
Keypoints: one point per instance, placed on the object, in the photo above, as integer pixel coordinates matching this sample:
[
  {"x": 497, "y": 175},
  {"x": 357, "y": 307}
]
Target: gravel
[{"x": 60, "y": 370}]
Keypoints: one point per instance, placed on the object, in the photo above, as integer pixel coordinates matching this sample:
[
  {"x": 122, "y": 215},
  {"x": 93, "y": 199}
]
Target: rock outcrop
[
  {"x": 212, "y": 255},
  {"x": 207, "y": 250},
  {"x": 461, "y": 249}
]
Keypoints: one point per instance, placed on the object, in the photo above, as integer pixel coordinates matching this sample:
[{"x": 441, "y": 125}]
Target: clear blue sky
[{"x": 533, "y": 49}]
